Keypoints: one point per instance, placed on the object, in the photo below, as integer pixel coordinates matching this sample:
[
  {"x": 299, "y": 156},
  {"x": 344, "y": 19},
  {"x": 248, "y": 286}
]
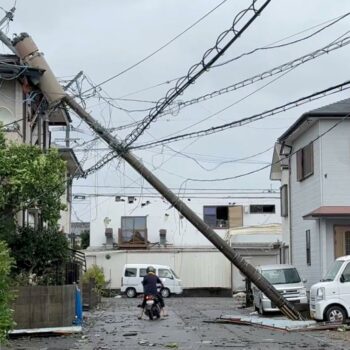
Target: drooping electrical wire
[
  {"x": 269, "y": 73},
  {"x": 244, "y": 54},
  {"x": 269, "y": 165},
  {"x": 272, "y": 46},
  {"x": 280, "y": 109},
  {"x": 161, "y": 48},
  {"x": 283, "y": 108},
  {"x": 222, "y": 44}
]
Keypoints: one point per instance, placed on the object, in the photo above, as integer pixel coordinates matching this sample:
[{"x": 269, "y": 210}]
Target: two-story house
[
  {"x": 132, "y": 222},
  {"x": 27, "y": 118},
  {"x": 312, "y": 162}
]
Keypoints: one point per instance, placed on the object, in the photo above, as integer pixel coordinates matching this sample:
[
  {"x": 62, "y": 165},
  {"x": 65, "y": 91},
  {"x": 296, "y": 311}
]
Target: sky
[{"x": 106, "y": 37}]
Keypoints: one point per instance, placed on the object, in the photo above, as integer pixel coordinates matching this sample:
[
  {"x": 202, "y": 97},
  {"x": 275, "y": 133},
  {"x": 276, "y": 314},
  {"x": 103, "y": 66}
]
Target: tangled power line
[{"x": 208, "y": 60}]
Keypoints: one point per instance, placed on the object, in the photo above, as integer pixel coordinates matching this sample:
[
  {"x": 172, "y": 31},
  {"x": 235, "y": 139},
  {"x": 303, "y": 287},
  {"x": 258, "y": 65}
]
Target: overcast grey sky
[{"x": 104, "y": 37}]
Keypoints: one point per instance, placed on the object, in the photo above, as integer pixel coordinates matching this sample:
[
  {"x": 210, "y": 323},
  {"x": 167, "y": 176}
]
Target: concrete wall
[
  {"x": 44, "y": 306},
  {"x": 197, "y": 269}
]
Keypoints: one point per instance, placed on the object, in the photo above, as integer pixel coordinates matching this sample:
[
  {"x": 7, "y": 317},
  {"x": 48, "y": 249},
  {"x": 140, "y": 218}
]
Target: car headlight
[
  {"x": 302, "y": 292},
  {"x": 320, "y": 293}
]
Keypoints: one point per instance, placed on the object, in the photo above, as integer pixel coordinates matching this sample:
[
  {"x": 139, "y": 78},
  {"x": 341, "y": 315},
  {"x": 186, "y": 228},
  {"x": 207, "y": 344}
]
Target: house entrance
[{"x": 341, "y": 241}]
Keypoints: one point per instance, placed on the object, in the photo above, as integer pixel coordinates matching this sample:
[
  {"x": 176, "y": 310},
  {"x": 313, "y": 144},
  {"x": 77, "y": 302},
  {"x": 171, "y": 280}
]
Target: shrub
[
  {"x": 6, "y": 320},
  {"x": 95, "y": 273}
]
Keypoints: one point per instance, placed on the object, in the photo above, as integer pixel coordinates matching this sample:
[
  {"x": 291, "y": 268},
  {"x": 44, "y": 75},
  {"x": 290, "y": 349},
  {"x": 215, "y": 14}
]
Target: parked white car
[
  {"x": 133, "y": 275},
  {"x": 330, "y": 298},
  {"x": 286, "y": 279}
]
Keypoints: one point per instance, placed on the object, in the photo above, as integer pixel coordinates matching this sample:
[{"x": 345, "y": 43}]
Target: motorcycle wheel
[{"x": 156, "y": 312}]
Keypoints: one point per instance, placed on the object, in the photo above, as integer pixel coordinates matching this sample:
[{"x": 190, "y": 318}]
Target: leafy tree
[
  {"x": 85, "y": 239},
  {"x": 6, "y": 320},
  {"x": 29, "y": 178},
  {"x": 40, "y": 255}
]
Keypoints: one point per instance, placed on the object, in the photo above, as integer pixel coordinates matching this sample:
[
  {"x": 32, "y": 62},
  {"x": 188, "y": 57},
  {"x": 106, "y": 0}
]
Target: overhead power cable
[
  {"x": 290, "y": 105},
  {"x": 334, "y": 45},
  {"x": 269, "y": 73},
  {"x": 271, "y": 45},
  {"x": 161, "y": 48},
  {"x": 276, "y": 162},
  {"x": 253, "y": 118},
  {"x": 222, "y": 44}
]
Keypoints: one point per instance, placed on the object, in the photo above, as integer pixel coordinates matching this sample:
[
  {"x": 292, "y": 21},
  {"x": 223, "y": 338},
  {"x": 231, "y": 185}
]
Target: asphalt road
[{"x": 115, "y": 326}]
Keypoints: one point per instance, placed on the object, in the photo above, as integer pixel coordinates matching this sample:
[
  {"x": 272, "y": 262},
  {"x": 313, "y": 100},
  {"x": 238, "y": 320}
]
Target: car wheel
[
  {"x": 336, "y": 314},
  {"x": 165, "y": 293},
  {"x": 131, "y": 293}
]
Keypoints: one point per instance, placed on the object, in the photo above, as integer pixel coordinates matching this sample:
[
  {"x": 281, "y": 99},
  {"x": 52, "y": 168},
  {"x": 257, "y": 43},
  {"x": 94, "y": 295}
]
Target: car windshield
[
  {"x": 332, "y": 271},
  {"x": 281, "y": 276},
  {"x": 174, "y": 274}
]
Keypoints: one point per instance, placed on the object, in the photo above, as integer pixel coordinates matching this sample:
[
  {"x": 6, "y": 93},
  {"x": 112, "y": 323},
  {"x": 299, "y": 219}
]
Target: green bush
[
  {"x": 6, "y": 320},
  {"x": 40, "y": 256},
  {"x": 95, "y": 273}
]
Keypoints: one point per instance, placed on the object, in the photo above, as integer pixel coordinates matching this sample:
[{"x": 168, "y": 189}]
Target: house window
[
  {"x": 216, "y": 217},
  {"x": 305, "y": 162},
  {"x": 347, "y": 243},
  {"x": 262, "y": 209},
  {"x": 133, "y": 230},
  {"x": 308, "y": 248},
  {"x": 284, "y": 200}
]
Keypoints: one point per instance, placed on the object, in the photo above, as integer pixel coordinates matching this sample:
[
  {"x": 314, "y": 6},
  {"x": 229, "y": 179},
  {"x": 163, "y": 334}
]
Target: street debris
[
  {"x": 263, "y": 322},
  {"x": 146, "y": 343}
]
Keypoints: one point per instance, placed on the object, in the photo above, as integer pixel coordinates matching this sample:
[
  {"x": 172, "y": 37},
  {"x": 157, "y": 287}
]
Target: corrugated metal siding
[{"x": 197, "y": 269}]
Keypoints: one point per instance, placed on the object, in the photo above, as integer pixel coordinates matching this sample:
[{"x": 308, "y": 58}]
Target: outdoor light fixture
[{"x": 285, "y": 150}]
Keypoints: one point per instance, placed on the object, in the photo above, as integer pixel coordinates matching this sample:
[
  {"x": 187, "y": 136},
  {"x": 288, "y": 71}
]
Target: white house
[
  {"x": 132, "y": 222},
  {"x": 312, "y": 162},
  {"x": 27, "y": 118}
]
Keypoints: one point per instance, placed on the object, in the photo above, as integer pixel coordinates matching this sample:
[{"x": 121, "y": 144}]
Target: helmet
[{"x": 150, "y": 269}]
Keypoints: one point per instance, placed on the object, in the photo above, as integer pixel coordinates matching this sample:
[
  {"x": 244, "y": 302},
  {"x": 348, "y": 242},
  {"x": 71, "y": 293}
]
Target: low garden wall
[{"x": 44, "y": 306}]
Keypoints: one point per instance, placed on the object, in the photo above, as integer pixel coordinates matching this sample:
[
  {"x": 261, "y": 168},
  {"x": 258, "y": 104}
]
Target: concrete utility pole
[{"x": 30, "y": 55}]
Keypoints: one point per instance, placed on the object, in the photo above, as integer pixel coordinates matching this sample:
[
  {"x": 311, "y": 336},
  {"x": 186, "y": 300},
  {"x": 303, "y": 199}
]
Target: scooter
[{"x": 152, "y": 308}]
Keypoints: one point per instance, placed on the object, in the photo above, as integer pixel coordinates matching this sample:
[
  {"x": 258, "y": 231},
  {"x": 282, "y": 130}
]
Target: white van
[
  {"x": 330, "y": 298},
  {"x": 133, "y": 275},
  {"x": 285, "y": 278}
]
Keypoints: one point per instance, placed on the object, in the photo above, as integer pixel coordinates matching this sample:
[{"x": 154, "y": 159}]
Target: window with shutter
[{"x": 305, "y": 162}]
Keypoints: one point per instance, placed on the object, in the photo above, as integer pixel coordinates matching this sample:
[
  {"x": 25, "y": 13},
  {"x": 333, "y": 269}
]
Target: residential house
[
  {"x": 130, "y": 222},
  {"x": 155, "y": 233},
  {"x": 312, "y": 162},
  {"x": 27, "y": 118}
]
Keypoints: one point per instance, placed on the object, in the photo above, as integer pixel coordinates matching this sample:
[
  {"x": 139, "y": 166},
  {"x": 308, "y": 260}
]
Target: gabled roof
[{"x": 334, "y": 110}]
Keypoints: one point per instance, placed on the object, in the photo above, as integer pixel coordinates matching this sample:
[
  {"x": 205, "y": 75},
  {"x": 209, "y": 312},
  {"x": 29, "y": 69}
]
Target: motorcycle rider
[{"x": 150, "y": 282}]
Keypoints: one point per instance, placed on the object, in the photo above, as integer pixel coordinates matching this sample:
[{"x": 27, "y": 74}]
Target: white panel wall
[
  {"x": 160, "y": 216},
  {"x": 196, "y": 269},
  {"x": 305, "y": 197},
  {"x": 335, "y": 163}
]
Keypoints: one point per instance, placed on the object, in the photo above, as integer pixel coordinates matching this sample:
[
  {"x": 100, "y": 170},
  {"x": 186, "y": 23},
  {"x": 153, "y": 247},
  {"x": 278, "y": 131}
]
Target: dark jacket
[{"x": 150, "y": 282}]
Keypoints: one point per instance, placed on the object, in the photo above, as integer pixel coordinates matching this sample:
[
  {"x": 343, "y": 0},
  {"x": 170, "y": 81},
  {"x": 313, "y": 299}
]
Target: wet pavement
[{"x": 115, "y": 326}]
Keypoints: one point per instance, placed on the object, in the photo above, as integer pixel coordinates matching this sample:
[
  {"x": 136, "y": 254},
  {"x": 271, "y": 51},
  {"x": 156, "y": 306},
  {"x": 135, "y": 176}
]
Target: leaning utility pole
[{"x": 54, "y": 93}]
